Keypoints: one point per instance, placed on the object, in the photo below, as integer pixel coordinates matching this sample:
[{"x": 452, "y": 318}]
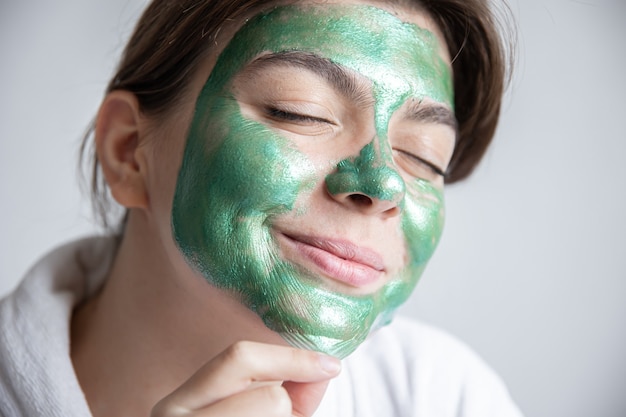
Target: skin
[
  {"x": 248, "y": 175},
  {"x": 157, "y": 339}
]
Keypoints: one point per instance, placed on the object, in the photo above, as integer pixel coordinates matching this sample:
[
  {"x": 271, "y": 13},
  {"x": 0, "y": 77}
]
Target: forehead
[{"x": 367, "y": 39}]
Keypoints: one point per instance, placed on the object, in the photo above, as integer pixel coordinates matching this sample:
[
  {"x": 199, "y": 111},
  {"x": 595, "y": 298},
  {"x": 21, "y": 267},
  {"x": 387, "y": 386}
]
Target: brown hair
[{"x": 173, "y": 36}]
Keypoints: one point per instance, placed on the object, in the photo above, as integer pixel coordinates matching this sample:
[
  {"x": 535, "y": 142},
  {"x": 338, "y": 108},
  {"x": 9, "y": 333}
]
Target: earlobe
[{"x": 118, "y": 136}]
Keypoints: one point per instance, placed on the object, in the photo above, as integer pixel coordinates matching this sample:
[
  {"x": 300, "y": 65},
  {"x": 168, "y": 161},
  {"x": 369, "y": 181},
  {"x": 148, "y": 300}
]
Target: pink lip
[{"x": 340, "y": 260}]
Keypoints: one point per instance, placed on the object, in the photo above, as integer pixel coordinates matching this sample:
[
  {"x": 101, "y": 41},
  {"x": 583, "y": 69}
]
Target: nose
[{"x": 367, "y": 184}]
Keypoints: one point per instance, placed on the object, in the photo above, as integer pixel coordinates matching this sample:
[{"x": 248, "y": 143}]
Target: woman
[{"x": 282, "y": 167}]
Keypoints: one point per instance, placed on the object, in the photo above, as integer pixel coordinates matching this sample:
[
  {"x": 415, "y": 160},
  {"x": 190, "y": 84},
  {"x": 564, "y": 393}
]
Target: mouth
[{"x": 339, "y": 260}]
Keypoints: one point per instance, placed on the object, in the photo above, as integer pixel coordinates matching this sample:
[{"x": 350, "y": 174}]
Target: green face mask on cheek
[{"x": 238, "y": 175}]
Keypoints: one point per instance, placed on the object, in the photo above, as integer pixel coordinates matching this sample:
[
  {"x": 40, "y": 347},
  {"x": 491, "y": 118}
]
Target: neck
[{"x": 154, "y": 323}]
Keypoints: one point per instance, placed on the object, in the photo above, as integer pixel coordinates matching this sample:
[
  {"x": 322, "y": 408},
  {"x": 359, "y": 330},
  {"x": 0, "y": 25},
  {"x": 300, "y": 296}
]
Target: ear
[{"x": 118, "y": 136}]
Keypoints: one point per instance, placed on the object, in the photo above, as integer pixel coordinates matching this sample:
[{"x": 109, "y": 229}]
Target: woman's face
[{"x": 311, "y": 184}]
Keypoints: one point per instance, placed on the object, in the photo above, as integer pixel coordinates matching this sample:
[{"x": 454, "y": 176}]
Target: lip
[{"x": 340, "y": 260}]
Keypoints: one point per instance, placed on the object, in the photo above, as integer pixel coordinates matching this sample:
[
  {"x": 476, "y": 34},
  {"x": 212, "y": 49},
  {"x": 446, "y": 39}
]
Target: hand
[{"x": 252, "y": 379}]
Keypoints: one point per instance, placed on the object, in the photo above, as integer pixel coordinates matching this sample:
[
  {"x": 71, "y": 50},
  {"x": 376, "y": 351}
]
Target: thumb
[{"x": 305, "y": 397}]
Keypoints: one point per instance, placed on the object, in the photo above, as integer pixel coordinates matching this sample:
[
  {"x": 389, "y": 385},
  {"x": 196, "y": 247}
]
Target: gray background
[{"x": 531, "y": 271}]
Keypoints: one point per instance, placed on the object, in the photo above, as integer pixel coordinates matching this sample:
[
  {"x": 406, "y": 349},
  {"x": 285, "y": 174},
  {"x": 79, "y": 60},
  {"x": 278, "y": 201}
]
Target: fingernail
[{"x": 329, "y": 364}]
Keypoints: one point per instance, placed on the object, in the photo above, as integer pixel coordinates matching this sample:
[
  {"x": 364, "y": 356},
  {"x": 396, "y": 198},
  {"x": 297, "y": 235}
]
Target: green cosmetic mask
[{"x": 238, "y": 175}]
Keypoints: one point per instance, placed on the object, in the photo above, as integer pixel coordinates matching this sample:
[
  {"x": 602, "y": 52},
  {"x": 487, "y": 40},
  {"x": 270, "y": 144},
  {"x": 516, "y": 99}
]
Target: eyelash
[
  {"x": 434, "y": 168},
  {"x": 294, "y": 117}
]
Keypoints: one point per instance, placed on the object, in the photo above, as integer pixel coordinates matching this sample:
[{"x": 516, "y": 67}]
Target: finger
[
  {"x": 244, "y": 363},
  {"x": 271, "y": 401},
  {"x": 305, "y": 397}
]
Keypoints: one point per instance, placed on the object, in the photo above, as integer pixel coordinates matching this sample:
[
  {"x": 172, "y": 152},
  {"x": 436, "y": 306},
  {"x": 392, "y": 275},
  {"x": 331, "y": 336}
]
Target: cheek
[
  {"x": 236, "y": 168},
  {"x": 263, "y": 171},
  {"x": 422, "y": 223}
]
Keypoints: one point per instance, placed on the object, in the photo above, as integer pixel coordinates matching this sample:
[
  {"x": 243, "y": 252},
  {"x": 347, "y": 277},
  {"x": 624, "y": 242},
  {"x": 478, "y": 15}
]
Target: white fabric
[
  {"x": 36, "y": 374},
  {"x": 408, "y": 369},
  {"x": 405, "y": 369}
]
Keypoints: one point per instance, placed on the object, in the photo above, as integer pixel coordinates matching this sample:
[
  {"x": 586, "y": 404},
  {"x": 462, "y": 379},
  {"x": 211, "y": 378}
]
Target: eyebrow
[
  {"x": 434, "y": 113},
  {"x": 349, "y": 85}
]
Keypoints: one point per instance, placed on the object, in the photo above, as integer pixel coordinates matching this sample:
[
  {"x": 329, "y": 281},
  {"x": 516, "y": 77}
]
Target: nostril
[
  {"x": 394, "y": 211},
  {"x": 360, "y": 200}
]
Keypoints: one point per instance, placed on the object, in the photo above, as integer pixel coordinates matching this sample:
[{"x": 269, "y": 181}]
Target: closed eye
[
  {"x": 429, "y": 165},
  {"x": 287, "y": 116}
]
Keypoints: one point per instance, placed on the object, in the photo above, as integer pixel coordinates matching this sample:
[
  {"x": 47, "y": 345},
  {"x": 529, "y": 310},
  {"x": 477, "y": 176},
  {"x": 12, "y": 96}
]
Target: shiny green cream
[{"x": 238, "y": 175}]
